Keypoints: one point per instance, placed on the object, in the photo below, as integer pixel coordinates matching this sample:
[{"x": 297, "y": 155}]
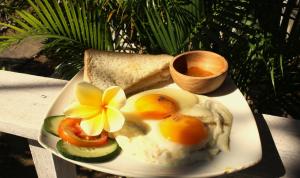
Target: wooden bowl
[{"x": 199, "y": 71}]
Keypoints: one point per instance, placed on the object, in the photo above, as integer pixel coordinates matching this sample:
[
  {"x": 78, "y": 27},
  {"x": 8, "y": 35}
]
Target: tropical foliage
[{"x": 262, "y": 46}]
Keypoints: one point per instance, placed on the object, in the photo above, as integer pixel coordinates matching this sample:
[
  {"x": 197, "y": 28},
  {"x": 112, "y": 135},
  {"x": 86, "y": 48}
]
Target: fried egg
[{"x": 170, "y": 126}]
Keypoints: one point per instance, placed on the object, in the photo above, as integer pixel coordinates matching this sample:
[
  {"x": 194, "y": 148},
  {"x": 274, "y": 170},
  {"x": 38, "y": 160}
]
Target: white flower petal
[
  {"x": 93, "y": 126},
  {"x": 77, "y": 110},
  {"x": 88, "y": 94},
  {"x": 114, "y": 97},
  {"x": 114, "y": 120}
]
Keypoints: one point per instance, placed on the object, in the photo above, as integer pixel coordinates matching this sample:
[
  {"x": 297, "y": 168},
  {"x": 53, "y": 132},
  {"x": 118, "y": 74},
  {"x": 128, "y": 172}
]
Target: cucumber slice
[
  {"x": 51, "y": 124},
  {"x": 89, "y": 154}
]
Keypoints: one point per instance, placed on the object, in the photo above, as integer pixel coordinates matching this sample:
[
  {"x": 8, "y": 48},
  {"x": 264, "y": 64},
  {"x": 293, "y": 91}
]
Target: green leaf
[
  {"x": 86, "y": 27},
  {"x": 90, "y": 24},
  {"x": 53, "y": 13},
  {"x": 13, "y": 27},
  {"x": 108, "y": 42},
  {"x": 62, "y": 18},
  {"x": 54, "y": 36},
  {"x": 281, "y": 64},
  {"x": 70, "y": 20},
  {"x": 31, "y": 20},
  {"x": 9, "y": 37},
  {"x": 47, "y": 15},
  {"x": 76, "y": 23},
  {"x": 22, "y": 24},
  {"x": 41, "y": 16},
  {"x": 171, "y": 32},
  {"x": 81, "y": 25},
  {"x": 163, "y": 32},
  {"x": 156, "y": 33},
  {"x": 95, "y": 21},
  {"x": 272, "y": 77},
  {"x": 99, "y": 35}
]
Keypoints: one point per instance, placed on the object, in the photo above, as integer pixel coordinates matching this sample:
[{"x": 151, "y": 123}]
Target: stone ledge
[{"x": 25, "y": 49}]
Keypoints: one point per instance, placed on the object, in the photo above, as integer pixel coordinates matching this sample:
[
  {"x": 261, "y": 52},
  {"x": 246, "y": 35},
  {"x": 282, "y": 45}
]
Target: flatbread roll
[{"x": 132, "y": 72}]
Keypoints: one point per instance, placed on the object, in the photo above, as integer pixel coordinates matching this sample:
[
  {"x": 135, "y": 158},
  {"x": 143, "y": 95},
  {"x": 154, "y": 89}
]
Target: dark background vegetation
[{"x": 260, "y": 40}]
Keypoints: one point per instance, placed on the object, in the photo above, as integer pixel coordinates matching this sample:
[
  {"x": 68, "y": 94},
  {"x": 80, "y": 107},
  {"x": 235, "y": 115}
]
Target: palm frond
[
  {"x": 196, "y": 8},
  {"x": 56, "y": 19},
  {"x": 67, "y": 26},
  {"x": 41, "y": 16},
  {"x": 61, "y": 17},
  {"x": 34, "y": 22},
  {"x": 21, "y": 24},
  {"x": 20, "y": 30},
  {"x": 63, "y": 21},
  {"x": 169, "y": 26},
  {"x": 68, "y": 5},
  {"x": 170, "y": 32}
]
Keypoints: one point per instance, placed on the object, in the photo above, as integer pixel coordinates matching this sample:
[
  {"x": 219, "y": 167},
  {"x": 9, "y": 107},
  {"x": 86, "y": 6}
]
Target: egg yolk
[
  {"x": 182, "y": 129},
  {"x": 155, "y": 106}
]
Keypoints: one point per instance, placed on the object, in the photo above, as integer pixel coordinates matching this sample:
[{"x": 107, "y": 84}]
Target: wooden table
[{"x": 25, "y": 98}]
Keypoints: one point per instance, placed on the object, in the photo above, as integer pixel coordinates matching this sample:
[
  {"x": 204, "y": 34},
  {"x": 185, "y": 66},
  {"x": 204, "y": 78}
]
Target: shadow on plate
[
  {"x": 271, "y": 165},
  {"x": 226, "y": 88}
]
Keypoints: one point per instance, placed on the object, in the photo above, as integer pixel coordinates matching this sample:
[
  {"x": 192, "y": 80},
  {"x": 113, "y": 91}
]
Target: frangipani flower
[{"x": 97, "y": 110}]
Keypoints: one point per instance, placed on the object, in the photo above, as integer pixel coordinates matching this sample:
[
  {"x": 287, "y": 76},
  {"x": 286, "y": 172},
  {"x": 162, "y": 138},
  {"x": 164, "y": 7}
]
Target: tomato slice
[{"x": 69, "y": 130}]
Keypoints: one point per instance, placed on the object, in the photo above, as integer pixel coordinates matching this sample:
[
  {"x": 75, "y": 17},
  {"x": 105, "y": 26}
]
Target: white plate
[{"x": 245, "y": 146}]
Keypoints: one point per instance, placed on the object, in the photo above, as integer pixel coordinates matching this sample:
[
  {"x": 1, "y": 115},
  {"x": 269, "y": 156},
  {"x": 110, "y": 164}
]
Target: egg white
[{"x": 141, "y": 137}]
